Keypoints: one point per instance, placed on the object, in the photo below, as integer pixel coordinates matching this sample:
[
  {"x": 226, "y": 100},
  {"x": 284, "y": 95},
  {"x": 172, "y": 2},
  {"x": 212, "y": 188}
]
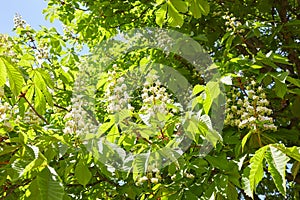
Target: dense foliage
[{"x": 54, "y": 107}]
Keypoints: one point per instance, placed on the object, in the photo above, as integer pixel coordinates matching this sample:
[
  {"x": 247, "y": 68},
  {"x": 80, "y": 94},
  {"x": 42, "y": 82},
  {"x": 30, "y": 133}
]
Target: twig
[
  {"x": 40, "y": 116},
  {"x": 58, "y": 106}
]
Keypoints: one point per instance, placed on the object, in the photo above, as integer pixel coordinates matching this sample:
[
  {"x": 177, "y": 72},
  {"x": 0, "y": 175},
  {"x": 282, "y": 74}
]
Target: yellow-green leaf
[
  {"x": 14, "y": 76},
  {"x": 256, "y": 167}
]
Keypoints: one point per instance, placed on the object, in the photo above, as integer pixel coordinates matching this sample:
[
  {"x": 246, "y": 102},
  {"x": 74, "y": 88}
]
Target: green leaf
[
  {"x": 195, "y": 8},
  {"x": 232, "y": 192},
  {"x": 246, "y": 182},
  {"x": 14, "y": 76},
  {"x": 256, "y": 66},
  {"x": 293, "y": 152},
  {"x": 277, "y": 161},
  {"x": 226, "y": 35},
  {"x": 191, "y": 128},
  {"x": 201, "y": 37},
  {"x": 34, "y": 191},
  {"x": 207, "y": 102},
  {"x": 204, "y": 7},
  {"x": 197, "y": 89},
  {"x": 175, "y": 19},
  {"x": 161, "y": 14},
  {"x": 219, "y": 162},
  {"x": 49, "y": 185},
  {"x": 140, "y": 163},
  {"x": 245, "y": 138},
  {"x": 41, "y": 81},
  {"x": 82, "y": 173},
  {"x": 212, "y": 91},
  {"x": 295, "y": 169},
  {"x": 280, "y": 76},
  {"x": 39, "y": 101},
  {"x": 280, "y": 88},
  {"x": 180, "y": 5},
  {"x": 113, "y": 134},
  {"x": 256, "y": 167},
  {"x": 294, "y": 81},
  {"x": 2, "y": 73}
]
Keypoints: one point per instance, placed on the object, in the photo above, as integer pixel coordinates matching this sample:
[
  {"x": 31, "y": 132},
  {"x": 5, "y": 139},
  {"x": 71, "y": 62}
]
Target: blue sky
[{"x": 30, "y": 10}]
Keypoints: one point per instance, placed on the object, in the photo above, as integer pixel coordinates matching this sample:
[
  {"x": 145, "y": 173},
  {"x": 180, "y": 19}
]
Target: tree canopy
[{"x": 164, "y": 99}]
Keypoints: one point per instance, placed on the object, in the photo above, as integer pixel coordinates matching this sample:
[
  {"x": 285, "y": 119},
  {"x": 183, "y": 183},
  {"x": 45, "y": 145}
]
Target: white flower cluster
[
  {"x": 5, "y": 116},
  {"x": 31, "y": 118},
  {"x": 116, "y": 94},
  {"x": 164, "y": 41},
  {"x": 153, "y": 176},
  {"x": 250, "y": 110},
  {"x": 232, "y": 24},
  {"x": 78, "y": 120},
  {"x": 155, "y": 96},
  {"x": 42, "y": 51},
  {"x": 19, "y": 22},
  {"x": 40, "y": 54},
  {"x": 182, "y": 173},
  {"x": 4, "y": 107},
  {"x": 6, "y": 46}
]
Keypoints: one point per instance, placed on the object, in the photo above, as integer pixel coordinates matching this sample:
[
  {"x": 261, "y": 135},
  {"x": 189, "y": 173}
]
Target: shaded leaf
[
  {"x": 49, "y": 185},
  {"x": 82, "y": 173}
]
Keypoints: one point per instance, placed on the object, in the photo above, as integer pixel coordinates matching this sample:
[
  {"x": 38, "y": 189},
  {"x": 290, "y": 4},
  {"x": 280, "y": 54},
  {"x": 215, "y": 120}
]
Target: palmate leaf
[
  {"x": 277, "y": 161},
  {"x": 49, "y": 185}
]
